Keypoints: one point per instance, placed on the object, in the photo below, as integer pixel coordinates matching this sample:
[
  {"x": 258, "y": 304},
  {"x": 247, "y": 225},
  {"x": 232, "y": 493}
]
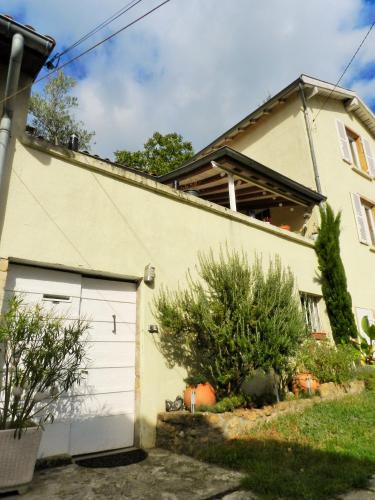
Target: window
[
  {"x": 310, "y": 306},
  {"x": 364, "y": 212},
  {"x": 355, "y": 150}
]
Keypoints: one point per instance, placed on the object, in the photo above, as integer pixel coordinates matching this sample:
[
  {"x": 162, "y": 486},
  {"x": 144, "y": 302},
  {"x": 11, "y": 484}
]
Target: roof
[
  {"x": 36, "y": 50},
  {"x": 253, "y": 176},
  {"x": 351, "y": 100}
]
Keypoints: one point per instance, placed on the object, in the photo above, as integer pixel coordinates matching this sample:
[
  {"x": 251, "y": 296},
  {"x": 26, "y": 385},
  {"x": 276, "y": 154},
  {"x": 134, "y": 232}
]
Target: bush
[
  {"x": 233, "y": 320},
  {"x": 329, "y": 363},
  {"x": 226, "y": 404},
  {"x": 367, "y": 373}
]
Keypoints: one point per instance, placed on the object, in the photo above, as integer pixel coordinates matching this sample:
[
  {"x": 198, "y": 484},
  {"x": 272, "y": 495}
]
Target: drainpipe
[
  {"x": 309, "y": 135},
  {"x": 10, "y": 88}
]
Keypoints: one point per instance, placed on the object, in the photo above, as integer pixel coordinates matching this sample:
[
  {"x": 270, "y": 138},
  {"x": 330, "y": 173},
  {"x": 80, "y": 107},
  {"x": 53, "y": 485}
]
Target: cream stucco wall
[
  {"x": 69, "y": 210},
  {"x": 279, "y": 141},
  {"x": 338, "y": 181}
]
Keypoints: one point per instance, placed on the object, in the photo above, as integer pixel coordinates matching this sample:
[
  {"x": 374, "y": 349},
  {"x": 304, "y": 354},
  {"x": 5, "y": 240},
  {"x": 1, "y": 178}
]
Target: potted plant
[
  {"x": 204, "y": 392},
  {"x": 40, "y": 359}
]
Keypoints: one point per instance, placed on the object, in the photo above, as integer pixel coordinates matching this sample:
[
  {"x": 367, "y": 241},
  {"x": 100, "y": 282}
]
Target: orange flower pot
[
  {"x": 304, "y": 382},
  {"x": 204, "y": 395}
]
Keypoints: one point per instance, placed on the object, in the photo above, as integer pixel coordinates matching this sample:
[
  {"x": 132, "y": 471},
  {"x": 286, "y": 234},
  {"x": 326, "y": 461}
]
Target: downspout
[
  {"x": 11, "y": 87},
  {"x": 311, "y": 142}
]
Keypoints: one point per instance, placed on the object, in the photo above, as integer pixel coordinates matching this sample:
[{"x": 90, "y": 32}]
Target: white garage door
[{"x": 100, "y": 414}]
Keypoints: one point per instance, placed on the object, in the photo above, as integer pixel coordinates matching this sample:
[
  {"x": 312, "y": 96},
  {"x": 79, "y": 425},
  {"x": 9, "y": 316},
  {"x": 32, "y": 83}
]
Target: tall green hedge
[{"x": 333, "y": 278}]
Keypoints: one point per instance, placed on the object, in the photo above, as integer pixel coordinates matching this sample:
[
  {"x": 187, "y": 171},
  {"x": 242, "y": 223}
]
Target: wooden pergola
[{"x": 234, "y": 180}]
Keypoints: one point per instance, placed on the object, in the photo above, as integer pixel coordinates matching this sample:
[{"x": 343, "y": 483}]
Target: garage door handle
[{"x": 114, "y": 323}]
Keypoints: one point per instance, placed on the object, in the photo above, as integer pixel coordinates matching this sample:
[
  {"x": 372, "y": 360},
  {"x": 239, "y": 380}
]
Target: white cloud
[{"x": 197, "y": 67}]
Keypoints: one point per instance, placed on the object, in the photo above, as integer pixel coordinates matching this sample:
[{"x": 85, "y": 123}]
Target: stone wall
[{"x": 184, "y": 432}]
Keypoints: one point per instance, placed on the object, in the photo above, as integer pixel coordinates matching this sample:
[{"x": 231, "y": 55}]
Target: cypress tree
[{"x": 333, "y": 278}]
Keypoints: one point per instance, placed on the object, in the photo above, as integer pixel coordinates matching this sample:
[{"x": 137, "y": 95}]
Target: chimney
[{"x": 73, "y": 142}]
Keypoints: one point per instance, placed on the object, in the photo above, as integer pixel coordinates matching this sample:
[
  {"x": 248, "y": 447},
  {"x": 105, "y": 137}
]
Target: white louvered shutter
[
  {"x": 360, "y": 217},
  {"x": 344, "y": 142},
  {"x": 370, "y": 159}
]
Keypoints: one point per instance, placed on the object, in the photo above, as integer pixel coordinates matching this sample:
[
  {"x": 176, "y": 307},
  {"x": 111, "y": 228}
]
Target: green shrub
[
  {"x": 226, "y": 404},
  {"x": 333, "y": 278},
  {"x": 329, "y": 363},
  {"x": 234, "y": 319},
  {"x": 367, "y": 373}
]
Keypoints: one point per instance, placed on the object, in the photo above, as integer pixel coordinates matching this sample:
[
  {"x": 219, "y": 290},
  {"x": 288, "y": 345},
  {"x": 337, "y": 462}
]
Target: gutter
[
  {"x": 11, "y": 87},
  {"x": 310, "y": 137}
]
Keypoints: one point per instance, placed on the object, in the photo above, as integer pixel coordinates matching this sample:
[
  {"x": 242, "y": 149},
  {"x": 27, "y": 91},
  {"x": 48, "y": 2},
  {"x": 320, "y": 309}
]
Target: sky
[{"x": 197, "y": 67}]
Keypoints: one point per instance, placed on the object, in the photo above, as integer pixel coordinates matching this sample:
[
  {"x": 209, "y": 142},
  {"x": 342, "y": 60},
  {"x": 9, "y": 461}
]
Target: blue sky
[{"x": 197, "y": 67}]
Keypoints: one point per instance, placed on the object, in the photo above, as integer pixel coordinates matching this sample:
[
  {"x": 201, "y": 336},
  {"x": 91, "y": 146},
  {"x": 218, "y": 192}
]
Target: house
[{"x": 85, "y": 236}]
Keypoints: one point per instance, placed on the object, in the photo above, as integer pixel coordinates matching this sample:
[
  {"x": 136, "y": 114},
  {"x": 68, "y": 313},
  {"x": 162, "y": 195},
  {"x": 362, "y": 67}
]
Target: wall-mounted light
[{"x": 149, "y": 274}]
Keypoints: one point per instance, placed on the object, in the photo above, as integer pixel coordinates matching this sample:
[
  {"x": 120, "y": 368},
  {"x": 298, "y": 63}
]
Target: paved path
[{"x": 162, "y": 476}]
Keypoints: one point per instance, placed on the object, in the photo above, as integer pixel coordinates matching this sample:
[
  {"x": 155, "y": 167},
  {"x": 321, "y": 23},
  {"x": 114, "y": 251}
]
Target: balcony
[{"x": 235, "y": 181}]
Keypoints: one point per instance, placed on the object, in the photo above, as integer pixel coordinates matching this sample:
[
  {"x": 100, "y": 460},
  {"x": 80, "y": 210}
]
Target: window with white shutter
[
  {"x": 370, "y": 159},
  {"x": 364, "y": 231},
  {"x": 344, "y": 142},
  {"x": 355, "y": 150}
]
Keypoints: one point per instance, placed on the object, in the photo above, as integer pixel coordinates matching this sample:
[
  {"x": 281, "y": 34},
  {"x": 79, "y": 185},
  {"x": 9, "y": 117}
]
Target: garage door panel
[
  {"x": 117, "y": 291},
  {"x": 38, "y": 280},
  {"x": 98, "y": 414},
  {"x": 102, "y": 433},
  {"x": 110, "y": 354},
  {"x": 95, "y": 310},
  {"x": 102, "y": 332},
  {"x": 62, "y": 309},
  {"x": 105, "y": 404},
  {"x": 100, "y": 380}
]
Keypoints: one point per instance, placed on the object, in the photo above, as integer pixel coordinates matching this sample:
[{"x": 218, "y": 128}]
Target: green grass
[{"x": 326, "y": 450}]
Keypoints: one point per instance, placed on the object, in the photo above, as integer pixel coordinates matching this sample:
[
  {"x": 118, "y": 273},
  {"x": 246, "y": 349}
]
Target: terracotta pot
[
  {"x": 304, "y": 382},
  {"x": 204, "y": 395},
  {"x": 285, "y": 226}
]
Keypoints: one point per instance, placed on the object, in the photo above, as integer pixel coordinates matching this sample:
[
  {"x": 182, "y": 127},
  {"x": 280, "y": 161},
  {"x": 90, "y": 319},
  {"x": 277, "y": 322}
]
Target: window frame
[
  {"x": 310, "y": 304},
  {"x": 364, "y": 215},
  {"x": 355, "y": 150}
]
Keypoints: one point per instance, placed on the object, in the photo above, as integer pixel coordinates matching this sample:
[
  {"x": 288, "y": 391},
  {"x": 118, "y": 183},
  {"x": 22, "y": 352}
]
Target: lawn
[{"x": 324, "y": 451}]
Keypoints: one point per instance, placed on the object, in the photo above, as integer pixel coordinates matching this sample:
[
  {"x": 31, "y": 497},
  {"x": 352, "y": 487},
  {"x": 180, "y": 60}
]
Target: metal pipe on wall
[{"x": 11, "y": 87}]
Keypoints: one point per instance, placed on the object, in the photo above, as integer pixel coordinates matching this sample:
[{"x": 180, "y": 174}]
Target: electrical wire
[
  {"x": 26, "y": 87},
  {"x": 345, "y": 70},
  {"x": 97, "y": 28}
]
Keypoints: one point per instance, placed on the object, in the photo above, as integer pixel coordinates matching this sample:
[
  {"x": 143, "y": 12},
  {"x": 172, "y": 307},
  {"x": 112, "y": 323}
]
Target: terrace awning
[{"x": 229, "y": 178}]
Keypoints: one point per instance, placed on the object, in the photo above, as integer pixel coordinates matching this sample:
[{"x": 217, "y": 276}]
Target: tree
[
  {"x": 161, "y": 154},
  {"x": 333, "y": 278},
  {"x": 52, "y": 112},
  {"x": 235, "y": 319}
]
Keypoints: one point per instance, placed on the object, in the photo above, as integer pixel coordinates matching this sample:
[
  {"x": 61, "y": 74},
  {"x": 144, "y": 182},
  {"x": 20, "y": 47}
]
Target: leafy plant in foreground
[{"x": 40, "y": 359}]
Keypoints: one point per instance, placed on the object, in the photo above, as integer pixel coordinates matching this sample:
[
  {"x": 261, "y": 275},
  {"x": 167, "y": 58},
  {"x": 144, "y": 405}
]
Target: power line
[
  {"x": 345, "y": 70},
  {"x": 97, "y": 28},
  {"x": 26, "y": 87}
]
